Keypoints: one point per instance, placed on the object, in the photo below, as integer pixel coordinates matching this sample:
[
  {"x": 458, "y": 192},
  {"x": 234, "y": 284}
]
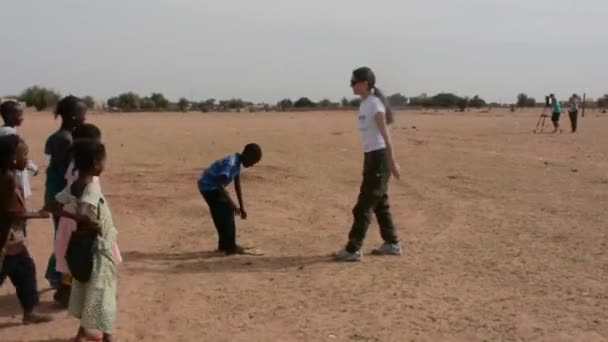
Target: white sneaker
[
  {"x": 388, "y": 249},
  {"x": 345, "y": 255}
]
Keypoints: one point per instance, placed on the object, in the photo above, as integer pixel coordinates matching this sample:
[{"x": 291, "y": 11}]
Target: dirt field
[{"x": 505, "y": 232}]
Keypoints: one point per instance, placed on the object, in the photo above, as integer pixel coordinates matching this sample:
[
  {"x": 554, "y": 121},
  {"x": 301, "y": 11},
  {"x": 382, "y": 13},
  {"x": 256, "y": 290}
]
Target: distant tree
[
  {"x": 477, "y": 102},
  {"x": 160, "y": 102},
  {"x": 39, "y": 97},
  {"x": 90, "y": 101},
  {"x": 355, "y": 102},
  {"x": 183, "y": 104},
  {"x": 237, "y": 104},
  {"x": 126, "y": 102},
  {"x": 445, "y": 100},
  {"x": 422, "y": 100},
  {"x": 304, "y": 102},
  {"x": 462, "y": 103},
  {"x": 113, "y": 102},
  {"x": 205, "y": 106},
  {"x": 325, "y": 103},
  {"x": 285, "y": 104},
  {"x": 210, "y": 103},
  {"x": 233, "y": 103},
  {"x": 531, "y": 102},
  {"x": 200, "y": 106},
  {"x": 147, "y": 103},
  {"x": 523, "y": 100},
  {"x": 344, "y": 102},
  {"x": 397, "y": 100}
]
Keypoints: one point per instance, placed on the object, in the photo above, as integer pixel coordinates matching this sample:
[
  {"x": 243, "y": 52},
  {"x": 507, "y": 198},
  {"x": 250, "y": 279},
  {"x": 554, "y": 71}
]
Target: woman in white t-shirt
[{"x": 379, "y": 163}]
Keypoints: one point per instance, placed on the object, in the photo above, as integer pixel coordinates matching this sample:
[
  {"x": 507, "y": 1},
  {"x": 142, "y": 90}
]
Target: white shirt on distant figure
[
  {"x": 574, "y": 103},
  {"x": 7, "y": 130},
  {"x": 22, "y": 176},
  {"x": 371, "y": 138}
]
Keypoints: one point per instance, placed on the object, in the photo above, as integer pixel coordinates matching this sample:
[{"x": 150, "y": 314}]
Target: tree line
[{"x": 43, "y": 98}]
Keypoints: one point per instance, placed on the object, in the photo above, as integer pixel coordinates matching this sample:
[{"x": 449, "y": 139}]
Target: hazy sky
[{"x": 264, "y": 50}]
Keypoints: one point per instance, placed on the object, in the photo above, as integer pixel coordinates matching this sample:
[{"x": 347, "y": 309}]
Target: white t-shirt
[
  {"x": 371, "y": 139},
  {"x": 23, "y": 176},
  {"x": 6, "y": 130}
]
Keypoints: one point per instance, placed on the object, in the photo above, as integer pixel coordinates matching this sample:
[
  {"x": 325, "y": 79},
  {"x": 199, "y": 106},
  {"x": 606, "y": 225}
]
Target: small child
[
  {"x": 212, "y": 185},
  {"x": 93, "y": 302},
  {"x": 15, "y": 260},
  {"x": 67, "y": 226},
  {"x": 12, "y": 115}
]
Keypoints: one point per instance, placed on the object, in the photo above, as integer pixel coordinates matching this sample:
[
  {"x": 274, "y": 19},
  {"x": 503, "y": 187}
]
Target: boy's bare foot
[{"x": 35, "y": 318}]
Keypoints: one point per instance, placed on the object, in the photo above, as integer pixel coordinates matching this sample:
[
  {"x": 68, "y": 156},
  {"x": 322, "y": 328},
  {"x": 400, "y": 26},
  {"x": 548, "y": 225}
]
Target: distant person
[
  {"x": 94, "y": 292},
  {"x": 374, "y": 118},
  {"x": 573, "y": 106},
  {"x": 12, "y": 115},
  {"x": 15, "y": 260},
  {"x": 556, "y": 112},
  {"x": 72, "y": 112},
  {"x": 212, "y": 186}
]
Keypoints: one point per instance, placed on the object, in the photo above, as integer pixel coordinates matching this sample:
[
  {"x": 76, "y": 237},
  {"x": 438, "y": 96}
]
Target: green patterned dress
[{"x": 94, "y": 302}]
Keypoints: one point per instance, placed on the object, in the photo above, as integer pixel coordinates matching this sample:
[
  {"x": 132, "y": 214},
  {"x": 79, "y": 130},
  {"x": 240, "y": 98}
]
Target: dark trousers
[
  {"x": 573, "y": 120},
  {"x": 223, "y": 219},
  {"x": 21, "y": 270},
  {"x": 373, "y": 198}
]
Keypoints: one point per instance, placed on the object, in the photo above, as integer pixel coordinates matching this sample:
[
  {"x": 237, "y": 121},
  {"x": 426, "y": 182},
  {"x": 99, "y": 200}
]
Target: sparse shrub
[{"x": 39, "y": 97}]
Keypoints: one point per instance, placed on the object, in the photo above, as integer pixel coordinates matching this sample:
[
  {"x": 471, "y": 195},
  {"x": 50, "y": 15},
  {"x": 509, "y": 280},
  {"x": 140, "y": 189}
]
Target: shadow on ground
[{"x": 212, "y": 262}]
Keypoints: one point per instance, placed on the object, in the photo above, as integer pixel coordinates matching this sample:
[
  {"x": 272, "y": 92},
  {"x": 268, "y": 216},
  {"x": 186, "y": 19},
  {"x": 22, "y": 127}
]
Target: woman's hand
[{"x": 395, "y": 168}]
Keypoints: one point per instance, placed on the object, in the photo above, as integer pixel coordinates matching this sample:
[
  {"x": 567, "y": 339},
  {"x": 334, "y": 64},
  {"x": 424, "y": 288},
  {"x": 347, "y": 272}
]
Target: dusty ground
[{"x": 504, "y": 231}]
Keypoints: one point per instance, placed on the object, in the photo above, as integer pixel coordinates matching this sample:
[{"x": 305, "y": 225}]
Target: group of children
[
  {"x": 79, "y": 210},
  {"x": 80, "y": 213},
  {"x": 82, "y": 268}
]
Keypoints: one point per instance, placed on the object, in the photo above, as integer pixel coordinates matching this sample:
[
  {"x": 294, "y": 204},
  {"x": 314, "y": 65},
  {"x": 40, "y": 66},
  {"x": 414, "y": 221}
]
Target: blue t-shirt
[
  {"x": 557, "y": 107},
  {"x": 229, "y": 166}
]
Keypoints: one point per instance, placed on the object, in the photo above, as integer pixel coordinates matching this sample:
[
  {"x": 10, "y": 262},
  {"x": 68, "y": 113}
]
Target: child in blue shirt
[{"x": 212, "y": 185}]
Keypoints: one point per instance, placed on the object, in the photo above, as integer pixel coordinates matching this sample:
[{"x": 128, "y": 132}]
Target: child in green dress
[{"x": 93, "y": 302}]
